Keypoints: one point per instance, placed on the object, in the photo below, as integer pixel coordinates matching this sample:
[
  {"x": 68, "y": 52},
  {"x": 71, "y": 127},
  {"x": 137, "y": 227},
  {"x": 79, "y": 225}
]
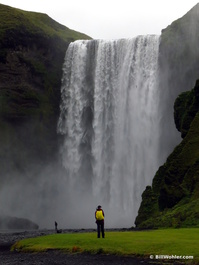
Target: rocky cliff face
[
  {"x": 32, "y": 49},
  {"x": 173, "y": 198},
  {"x": 178, "y": 64}
]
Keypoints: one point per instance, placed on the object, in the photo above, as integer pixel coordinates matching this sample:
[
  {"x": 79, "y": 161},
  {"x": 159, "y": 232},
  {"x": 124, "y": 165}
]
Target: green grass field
[{"x": 180, "y": 242}]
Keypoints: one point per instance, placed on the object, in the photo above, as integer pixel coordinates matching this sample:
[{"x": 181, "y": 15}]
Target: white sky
[{"x": 110, "y": 19}]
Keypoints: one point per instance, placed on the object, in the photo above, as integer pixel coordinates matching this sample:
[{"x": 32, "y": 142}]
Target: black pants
[{"x": 100, "y": 228}]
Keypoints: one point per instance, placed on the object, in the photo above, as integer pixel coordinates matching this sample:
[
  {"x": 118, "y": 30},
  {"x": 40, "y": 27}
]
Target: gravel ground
[{"x": 56, "y": 257}]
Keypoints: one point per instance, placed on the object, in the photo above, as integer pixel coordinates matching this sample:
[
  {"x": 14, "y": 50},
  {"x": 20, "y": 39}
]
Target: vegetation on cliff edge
[
  {"x": 173, "y": 199},
  {"x": 32, "y": 51}
]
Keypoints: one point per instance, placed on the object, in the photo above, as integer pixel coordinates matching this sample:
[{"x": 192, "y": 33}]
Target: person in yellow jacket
[{"x": 99, "y": 216}]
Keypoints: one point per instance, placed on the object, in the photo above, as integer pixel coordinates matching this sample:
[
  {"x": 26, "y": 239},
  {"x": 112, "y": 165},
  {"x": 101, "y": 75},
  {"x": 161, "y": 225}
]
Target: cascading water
[{"x": 109, "y": 119}]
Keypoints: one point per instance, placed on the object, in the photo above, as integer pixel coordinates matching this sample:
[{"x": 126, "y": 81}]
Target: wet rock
[{"x": 8, "y": 222}]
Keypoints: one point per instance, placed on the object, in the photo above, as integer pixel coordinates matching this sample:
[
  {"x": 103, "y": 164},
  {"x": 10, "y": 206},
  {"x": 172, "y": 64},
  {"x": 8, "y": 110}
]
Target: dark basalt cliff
[
  {"x": 178, "y": 64},
  {"x": 32, "y": 49},
  {"x": 173, "y": 198}
]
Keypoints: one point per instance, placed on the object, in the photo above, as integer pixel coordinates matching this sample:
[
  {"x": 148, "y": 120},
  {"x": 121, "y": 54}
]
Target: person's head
[{"x": 99, "y": 207}]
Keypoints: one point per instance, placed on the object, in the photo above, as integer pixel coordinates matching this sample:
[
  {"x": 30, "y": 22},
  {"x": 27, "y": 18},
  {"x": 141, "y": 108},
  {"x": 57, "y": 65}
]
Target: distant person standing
[
  {"x": 99, "y": 216},
  {"x": 55, "y": 226},
  {"x": 58, "y": 231}
]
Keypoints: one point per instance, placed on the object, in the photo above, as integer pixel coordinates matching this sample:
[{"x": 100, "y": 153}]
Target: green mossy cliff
[
  {"x": 178, "y": 71},
  {"x": 173, "y": 198},
  {"x": 32, "y": 50}
]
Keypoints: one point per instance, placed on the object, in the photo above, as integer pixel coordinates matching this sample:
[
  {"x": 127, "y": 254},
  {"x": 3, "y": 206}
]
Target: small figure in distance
[
  {"x": 99, "y": 216},
  {"x": 55, "y": 226},
  {"x": 58, "y": 231}
]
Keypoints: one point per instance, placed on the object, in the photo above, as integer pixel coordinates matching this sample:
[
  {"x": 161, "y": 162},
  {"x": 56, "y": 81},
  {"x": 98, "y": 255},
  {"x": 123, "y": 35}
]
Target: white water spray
[{"x": 109, "y": 116}]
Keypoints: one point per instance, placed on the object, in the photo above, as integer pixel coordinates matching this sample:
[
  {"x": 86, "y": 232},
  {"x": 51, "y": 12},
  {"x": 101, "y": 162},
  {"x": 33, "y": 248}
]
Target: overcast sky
[{"x": 110, "y": 19}]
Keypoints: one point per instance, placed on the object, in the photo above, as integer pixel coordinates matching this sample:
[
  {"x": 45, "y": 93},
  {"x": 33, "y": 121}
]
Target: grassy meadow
[{"x": 180, "y": 242}]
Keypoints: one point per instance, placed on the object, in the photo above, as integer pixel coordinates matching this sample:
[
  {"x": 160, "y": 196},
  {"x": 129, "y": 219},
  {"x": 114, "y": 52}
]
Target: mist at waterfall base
[
  {"x": 109, "y": 123},
  {"x": 109, "y": 120}
]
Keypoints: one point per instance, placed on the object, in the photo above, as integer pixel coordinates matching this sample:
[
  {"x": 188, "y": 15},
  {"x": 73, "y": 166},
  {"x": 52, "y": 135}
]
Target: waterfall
[{"x": 109, "y": 120}]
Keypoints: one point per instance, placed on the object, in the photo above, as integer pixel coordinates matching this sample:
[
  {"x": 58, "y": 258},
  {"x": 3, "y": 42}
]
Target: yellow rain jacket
[{"x": 99, "y": 215}]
